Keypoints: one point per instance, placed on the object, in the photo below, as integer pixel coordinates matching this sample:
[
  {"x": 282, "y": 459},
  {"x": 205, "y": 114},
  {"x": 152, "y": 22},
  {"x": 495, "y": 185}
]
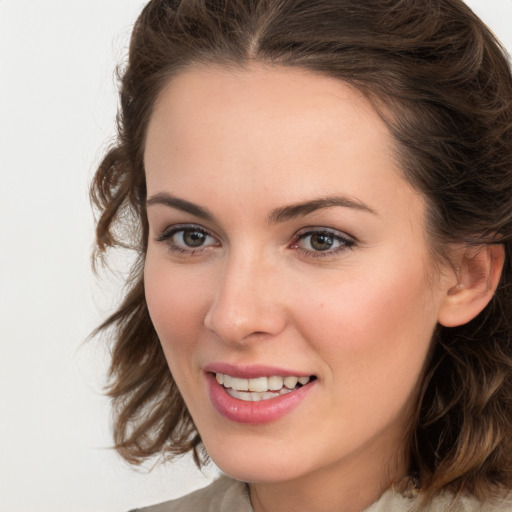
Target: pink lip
[
  {"x": 251, "y": 371},
  {"x": 254, "y": 413}
]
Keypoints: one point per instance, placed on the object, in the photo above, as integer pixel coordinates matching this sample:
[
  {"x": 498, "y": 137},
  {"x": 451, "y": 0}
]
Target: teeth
[
  {"x": 260, "y": 384},
  {"x": 240, "y": 384},
  {"x": 254, "y": 396},
  {"x": 259, "y": 387},
  {"x": 275, "y": 383},
  {"x": 233, "y": 382},
  {"x": 291, "y": 382}
]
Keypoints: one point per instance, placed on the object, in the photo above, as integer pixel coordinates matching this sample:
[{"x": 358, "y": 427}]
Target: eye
[
  {"x": 322, "y": 241},
  {"x": 187, "y": 239},
  {"x": 191, "y": 237}
]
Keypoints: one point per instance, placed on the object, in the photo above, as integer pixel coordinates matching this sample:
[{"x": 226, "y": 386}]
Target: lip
[
  {"x": 251, "y": 371},
  {"x": 253, "y": 413}
]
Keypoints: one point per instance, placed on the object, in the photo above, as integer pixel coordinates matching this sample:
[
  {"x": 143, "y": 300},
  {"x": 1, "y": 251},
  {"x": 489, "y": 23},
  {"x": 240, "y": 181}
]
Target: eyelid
[
  {"x": 174, "y": 228},
  {"x": 166, "y": 237},
  {"x": 347, "y": 241},
  {"x": 324, "y": 229},
  {"x": 343, "y": 239}
]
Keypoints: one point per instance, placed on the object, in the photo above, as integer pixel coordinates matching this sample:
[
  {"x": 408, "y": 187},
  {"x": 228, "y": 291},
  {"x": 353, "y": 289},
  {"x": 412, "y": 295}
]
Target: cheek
[
  {"x": 374, "y": 332},
  {"x": 176, "y": 306},
  {"x": 176, "y": 303}
]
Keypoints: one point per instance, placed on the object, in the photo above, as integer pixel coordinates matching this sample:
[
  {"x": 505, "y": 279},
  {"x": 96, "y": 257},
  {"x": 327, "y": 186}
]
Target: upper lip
[{"x": 251, "y": 371}]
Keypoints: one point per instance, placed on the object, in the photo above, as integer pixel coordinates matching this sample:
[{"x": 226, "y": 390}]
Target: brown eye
[
  {"x": 193, "y": 237},
  {"x": 321, "y": 241},
  {"x": 185, "y": 240}
]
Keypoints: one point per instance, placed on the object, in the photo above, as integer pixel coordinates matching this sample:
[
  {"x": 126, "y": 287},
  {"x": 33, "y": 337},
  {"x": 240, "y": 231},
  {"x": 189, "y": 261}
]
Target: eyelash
[
  {"x": 342, "y": 239},
  {"x": 169, "y": 233}
]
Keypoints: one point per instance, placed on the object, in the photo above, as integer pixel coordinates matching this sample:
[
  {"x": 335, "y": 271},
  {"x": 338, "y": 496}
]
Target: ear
[{"x": 474, "y": 282}]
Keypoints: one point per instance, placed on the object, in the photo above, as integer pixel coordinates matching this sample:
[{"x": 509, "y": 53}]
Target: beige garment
[{"x": 228, "y": 495}]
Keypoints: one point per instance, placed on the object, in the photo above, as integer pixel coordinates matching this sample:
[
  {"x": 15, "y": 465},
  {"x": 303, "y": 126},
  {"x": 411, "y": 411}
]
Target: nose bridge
[{"x": 248, "y": 298}]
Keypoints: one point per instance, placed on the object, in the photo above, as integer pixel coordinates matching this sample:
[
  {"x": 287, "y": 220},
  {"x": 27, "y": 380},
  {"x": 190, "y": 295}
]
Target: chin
[
  {"x": 258, "y": 460},
  {"x": 259, "y": 473}
]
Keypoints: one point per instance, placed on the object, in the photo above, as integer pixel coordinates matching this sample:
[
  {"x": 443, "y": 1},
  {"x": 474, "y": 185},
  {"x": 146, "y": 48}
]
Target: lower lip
[{"x": 254, "y": 413}]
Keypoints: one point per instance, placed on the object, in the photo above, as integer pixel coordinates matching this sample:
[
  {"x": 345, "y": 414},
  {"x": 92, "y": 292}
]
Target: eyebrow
[
  {"x": 302, "y": 209},
  {"x": 278, "y": 215},
  {"x": 165, "y": 199}
]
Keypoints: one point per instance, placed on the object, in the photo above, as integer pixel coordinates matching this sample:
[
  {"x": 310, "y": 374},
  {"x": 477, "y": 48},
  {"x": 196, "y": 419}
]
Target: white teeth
[
  {"x": 290, "y": 382},
  {"x": 260, "y": 384},
  {"x": 258, "y": 388},
  {"x": 241, "y": 384},
  {"x": 255, "y": 397},
  {"x": 275, "y": 383},
  {"x": 235, "y": 383},
  {"x": 227, "y": 381}
]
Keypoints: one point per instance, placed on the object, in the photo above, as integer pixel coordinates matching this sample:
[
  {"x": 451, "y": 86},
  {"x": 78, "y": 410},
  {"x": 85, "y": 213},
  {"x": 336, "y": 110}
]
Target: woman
[{"x": 319, "y": 197}]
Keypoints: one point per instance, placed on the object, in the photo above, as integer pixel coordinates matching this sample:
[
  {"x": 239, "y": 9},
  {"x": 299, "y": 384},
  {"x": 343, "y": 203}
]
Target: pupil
[
  {"x": 193, "y": 238},
  {"x": 321, "y": 241}
]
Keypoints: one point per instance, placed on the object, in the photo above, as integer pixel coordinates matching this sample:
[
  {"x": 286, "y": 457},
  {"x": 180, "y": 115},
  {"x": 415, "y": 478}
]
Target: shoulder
[
  {"x": 223, "y": 495},
  {"x": 392, "y": 500}
]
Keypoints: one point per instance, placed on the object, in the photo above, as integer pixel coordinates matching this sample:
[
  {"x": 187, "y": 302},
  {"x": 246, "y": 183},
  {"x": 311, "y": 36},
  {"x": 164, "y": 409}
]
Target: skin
[{"x": 241, "y": 144}]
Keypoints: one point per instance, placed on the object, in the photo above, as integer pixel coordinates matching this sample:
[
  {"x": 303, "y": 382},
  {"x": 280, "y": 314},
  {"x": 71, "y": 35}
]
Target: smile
[
  {"x": 256, "y": 394},
  {"x": 260, "y": 388}
]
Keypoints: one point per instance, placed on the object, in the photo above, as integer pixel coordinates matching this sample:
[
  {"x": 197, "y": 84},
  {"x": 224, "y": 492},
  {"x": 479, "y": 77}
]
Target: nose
[{"x": 248, "y": 303}]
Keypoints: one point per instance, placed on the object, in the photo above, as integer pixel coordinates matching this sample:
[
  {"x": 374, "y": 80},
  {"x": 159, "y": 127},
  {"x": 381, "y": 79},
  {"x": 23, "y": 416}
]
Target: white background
[{"x": 57, "y": 109}]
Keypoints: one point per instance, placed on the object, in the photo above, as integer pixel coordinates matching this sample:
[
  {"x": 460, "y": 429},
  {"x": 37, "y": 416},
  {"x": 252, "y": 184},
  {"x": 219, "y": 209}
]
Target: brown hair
[{"x": 443, "y": 85}]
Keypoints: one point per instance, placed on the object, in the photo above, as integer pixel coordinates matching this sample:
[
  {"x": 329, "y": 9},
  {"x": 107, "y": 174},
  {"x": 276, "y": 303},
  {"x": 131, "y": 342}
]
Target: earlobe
[{"x": 477, "y": 276}]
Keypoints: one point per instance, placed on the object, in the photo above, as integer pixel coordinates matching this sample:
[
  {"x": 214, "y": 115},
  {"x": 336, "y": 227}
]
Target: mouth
[
  {"x": 261, "y": 388},
  {"x": 256, "y": 394}
]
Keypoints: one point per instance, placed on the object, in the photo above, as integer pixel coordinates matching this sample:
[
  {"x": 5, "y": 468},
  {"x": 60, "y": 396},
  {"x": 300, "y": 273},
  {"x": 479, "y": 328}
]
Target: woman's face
[{"x": 284, "y": 244}]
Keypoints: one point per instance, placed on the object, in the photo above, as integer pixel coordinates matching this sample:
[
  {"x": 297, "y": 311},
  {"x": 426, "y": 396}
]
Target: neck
[{"x": 350, "y": 486}]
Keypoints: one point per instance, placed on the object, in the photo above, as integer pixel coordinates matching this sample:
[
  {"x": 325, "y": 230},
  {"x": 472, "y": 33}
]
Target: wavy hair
[{"x": 442, "y": 83}]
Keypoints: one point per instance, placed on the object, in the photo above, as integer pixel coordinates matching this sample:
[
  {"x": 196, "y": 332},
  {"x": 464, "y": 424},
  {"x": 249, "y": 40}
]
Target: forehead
[
  {"x": 271, "y": 129},
  {"x": 284, "y": 89},
  {"x": 221, "y": 109}
]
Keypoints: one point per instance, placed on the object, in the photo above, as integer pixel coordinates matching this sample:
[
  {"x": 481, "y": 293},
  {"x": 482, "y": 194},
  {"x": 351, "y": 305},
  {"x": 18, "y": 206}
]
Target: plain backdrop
[{"x": 57, "y": 109}]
